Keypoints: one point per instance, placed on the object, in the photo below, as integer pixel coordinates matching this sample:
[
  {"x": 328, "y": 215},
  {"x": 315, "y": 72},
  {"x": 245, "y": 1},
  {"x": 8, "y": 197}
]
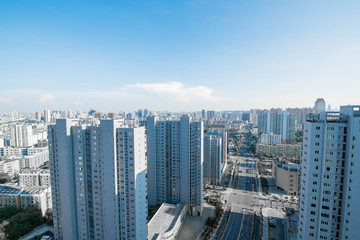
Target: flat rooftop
[{"x": 164, "y": 219}]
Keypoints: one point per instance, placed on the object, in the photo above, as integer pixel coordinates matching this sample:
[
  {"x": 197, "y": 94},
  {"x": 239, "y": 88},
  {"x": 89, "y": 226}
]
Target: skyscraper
[
  {"x": 330, "y": 183},
  {"x": 98, "y": 179},
  {"x": 319, "y": 105},
  {"x": 175, "y": 162}
]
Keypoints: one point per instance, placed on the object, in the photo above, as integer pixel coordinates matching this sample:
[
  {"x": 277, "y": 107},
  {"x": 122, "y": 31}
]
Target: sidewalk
[{"x": 37, "y": 231}]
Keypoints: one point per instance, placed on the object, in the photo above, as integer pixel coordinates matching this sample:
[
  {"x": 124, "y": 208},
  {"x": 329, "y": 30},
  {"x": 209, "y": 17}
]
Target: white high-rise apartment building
[
  {"x": 330, "y": 179},
  {"x": 21, "y": 135},
  {"x": 282, "y": 123},
  {"x": 212, "y": 159},
  {"x": 175, "y": 162},
  {"x": 47, "y": 116},
  {"x": 98, "y": 180}
]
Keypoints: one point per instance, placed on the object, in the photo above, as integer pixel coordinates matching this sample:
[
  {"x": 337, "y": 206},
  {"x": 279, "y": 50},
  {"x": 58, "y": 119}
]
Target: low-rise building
[
  {"x": 280, "y": 150},
  {"x": 270, "y": 138},
  {"x": 10, "y": 166},
  {"x": 9, "y": 196},
  {"x": 21, "y": 151},
  {"x": 36, "y": 197},
  {"x": 35, "y": 160},
  {"x": 21, "y": 198},
  {"x": 167, "y": 222},
  {"x": 286, "y": 175},
  {"x": 34, "y": 177}
]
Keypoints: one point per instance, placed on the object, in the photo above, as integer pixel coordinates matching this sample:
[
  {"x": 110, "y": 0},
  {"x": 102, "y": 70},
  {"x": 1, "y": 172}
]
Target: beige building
[{"x": 286, "y": 175}]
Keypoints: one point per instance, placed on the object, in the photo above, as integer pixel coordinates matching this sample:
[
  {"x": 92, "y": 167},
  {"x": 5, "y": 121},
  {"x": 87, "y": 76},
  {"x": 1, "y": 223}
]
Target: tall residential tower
[
  {"x": 330, "y": 179},
  {"x": 175, "y": 162},
  {"x": 98, "y": 180}
]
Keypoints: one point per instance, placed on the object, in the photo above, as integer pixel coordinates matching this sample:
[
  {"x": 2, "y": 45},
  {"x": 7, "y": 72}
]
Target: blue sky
[{"x": 178, "y": 55}]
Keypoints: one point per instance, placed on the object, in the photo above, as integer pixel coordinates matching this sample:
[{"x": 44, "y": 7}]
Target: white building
[
  {"x": 175, "y": 162},
  {"x": 270, "y": 138},
  {"x": 98, "y": 177},
  {"x": 34, "y": 177},
  {"x": 35, "y": 160},
  {"x": 280, "y": 122},
  {"x": 330, "y": 183},
  {"x": 15, "y": 151},
  {"x": 10, "y": 166},
  {"x": 21, "y": 135},
  {"x": 47, "y": 116},
  {"x": 36, "y": 197}
]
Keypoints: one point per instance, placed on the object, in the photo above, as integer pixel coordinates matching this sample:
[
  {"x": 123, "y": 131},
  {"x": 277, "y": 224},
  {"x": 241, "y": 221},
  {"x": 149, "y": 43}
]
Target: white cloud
[
  {"x": 173, "y": 90},
  {"x": 5, "y": 100},
  {"x": 46, "y": 98}
]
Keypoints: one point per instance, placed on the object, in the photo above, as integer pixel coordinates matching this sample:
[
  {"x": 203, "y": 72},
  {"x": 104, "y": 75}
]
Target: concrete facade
[
  {"x": 330, "y": 183},
  {"x": 98, "y": 174}
]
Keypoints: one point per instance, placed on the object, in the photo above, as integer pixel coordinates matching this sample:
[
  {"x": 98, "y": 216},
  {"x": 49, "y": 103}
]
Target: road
[
  {"x": 244, "y": 200},
  {"x": 247, "y": 203}
]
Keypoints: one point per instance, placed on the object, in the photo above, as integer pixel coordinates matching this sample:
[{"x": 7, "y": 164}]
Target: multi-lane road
[{"x": 243, "y": 199}]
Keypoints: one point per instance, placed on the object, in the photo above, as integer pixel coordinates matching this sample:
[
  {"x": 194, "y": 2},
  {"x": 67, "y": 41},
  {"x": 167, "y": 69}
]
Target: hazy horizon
[{"x": 178, "y": 56}]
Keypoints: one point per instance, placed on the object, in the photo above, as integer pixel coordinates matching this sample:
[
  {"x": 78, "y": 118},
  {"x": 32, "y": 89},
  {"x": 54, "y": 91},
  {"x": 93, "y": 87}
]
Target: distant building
[
  {"x": 21, "y": 135},
  {"x": 279, "y": 150},
  {"x": 210, "y": 115},
  {"x": 280, "y": 122},
  {"x": 270, "y": 138},
  {"x": 203, "y": 114},
  {"x": 319, "y": 106}
]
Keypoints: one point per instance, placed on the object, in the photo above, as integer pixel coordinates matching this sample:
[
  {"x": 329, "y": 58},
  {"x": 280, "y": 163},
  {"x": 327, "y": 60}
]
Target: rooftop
[
  {"x": 33, "y": 190},
  {"x": 164, "y": 219},
  {"x": 9, "y": 190}
]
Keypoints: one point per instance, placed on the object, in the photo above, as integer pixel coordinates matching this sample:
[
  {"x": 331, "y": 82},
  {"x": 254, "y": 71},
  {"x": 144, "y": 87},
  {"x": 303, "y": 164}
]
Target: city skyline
[{"x": 183, "y": 56}]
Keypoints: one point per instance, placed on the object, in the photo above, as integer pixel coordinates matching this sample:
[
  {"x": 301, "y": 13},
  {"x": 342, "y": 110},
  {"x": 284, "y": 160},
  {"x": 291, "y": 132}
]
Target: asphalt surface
[{"x": 233, "y": 226}]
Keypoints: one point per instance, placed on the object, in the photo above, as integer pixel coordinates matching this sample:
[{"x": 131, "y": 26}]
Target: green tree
[
  {"x": 23, "y": 222},
  {"x": 8, "y": 212}
]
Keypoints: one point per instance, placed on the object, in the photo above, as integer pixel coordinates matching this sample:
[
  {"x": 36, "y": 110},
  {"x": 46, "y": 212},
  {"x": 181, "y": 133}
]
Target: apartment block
[
  {"x": 330, "y": 183},
  {"x": 98, "y": 177},
  {"x": 34, "y": 177},
  {"x": 175, "y": 162}
]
